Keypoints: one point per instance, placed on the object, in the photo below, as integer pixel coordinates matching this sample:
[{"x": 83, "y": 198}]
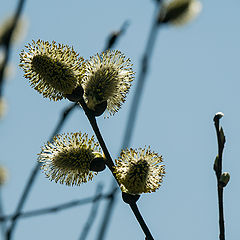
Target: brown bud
[
  {"x": 100, "y": 109},
  {"x": 224, "y": 179},
  {"x": 76, "y": 94},
  {"x": 98, "y": 164}
]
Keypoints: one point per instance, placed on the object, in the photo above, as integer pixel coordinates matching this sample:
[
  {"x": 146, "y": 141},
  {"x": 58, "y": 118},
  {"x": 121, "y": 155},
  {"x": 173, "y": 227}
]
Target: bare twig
[
  {"x": 57, "y": 208},
  {"x": 108, "y": 212},
  {"x": 7, "y": 42},
  {"x": 218, "y": 171},
  {"x": 114, "y": 36},
  {"x": 142, "y": 223}
]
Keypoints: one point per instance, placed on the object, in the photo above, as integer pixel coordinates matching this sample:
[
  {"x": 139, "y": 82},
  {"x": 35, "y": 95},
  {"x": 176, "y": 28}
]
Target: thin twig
[
  {"x": 218, "y": 171},
  {"x": 108, "y": 211},
  {"x": 92, "y": 215},
  {"x": 7, "y": 48},
  {"x": 7, "y": 42},
  {"x": 141, "y": 221},
  {"x": 57, "y": 208},
  {"x": 114, "y": 36},
  {"x": 131, "y": 122}
]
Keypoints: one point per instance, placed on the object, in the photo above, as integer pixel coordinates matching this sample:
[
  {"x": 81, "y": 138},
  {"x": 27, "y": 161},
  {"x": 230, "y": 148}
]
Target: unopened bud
[
  {"x": 98, "y": 164},
  {"x": 100, "y": 109},
  {"x": 218, "y": 116},
  {"x": 216, "y": 164},
  {"x": 76, "y": 94},
  {"x": 224, "y": 179}
]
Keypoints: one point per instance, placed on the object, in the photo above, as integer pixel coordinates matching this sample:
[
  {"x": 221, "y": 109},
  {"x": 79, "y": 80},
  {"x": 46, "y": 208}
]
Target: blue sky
[{"x": 194, "y": 73}]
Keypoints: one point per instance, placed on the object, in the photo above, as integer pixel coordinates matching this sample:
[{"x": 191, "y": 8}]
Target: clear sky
[{"x": 194, "y": 73}]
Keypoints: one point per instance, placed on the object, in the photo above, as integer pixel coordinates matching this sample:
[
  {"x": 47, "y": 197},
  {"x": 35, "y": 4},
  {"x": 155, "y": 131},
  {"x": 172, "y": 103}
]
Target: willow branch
[
  {"x": 131, "y": 122},
  {"x": 35, "y": 170},
  {"x": 109, "y": 162},
  {"x": 218, "y": 171},
  {"x": 57, "y": 208},
  {"x": 93, "y": 123},
  {"x": 141, "y": 221}
]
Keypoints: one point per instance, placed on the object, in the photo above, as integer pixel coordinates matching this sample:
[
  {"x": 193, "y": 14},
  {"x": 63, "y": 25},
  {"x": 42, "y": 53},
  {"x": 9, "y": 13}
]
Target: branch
[
  {"x": 131, "y": 122},
  {"x": 57, "y": 208},
  {"x": 110, "y": 164},
  {"x": 140, "y": 219},
  {"x": 7, "y": 42},
  {"x": 218, "y": 170},
  {"x": 114, "y": 36}
]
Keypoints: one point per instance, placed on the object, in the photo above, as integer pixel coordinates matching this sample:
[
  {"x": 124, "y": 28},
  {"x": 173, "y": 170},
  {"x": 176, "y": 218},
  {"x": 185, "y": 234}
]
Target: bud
[
  {"x": 130, "y": 198},
  {"x": 224, "y": 179},
  {"x": 100, "y": 109},
  {"x": 218, "y": 116},
  {"x": 179, "y": 12},
  {"x": 76, "y": 94},
  {"x": 216, "y": 164},
  {"x": 98, "y": 164}
]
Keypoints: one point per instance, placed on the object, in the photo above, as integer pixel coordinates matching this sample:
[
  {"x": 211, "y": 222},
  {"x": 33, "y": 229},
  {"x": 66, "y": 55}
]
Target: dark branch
[
  {"x": 6, "y": 42},
  {"x": 141, "y": 221},
  {"x": 57, "y": 208},
  {"x": 218, "y": 171}
]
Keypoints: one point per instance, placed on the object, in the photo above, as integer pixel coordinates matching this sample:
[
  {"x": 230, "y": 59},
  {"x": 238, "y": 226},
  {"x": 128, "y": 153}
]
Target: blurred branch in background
[
  {"x": 133, "y": 113},
  {"x": 92, "y": 215},
  {"x": 110, "y": 43},
  {"x": 5, "y": 43},
  {"x": 114, "y": 36},
  {"x": 61, "y": 207}
]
